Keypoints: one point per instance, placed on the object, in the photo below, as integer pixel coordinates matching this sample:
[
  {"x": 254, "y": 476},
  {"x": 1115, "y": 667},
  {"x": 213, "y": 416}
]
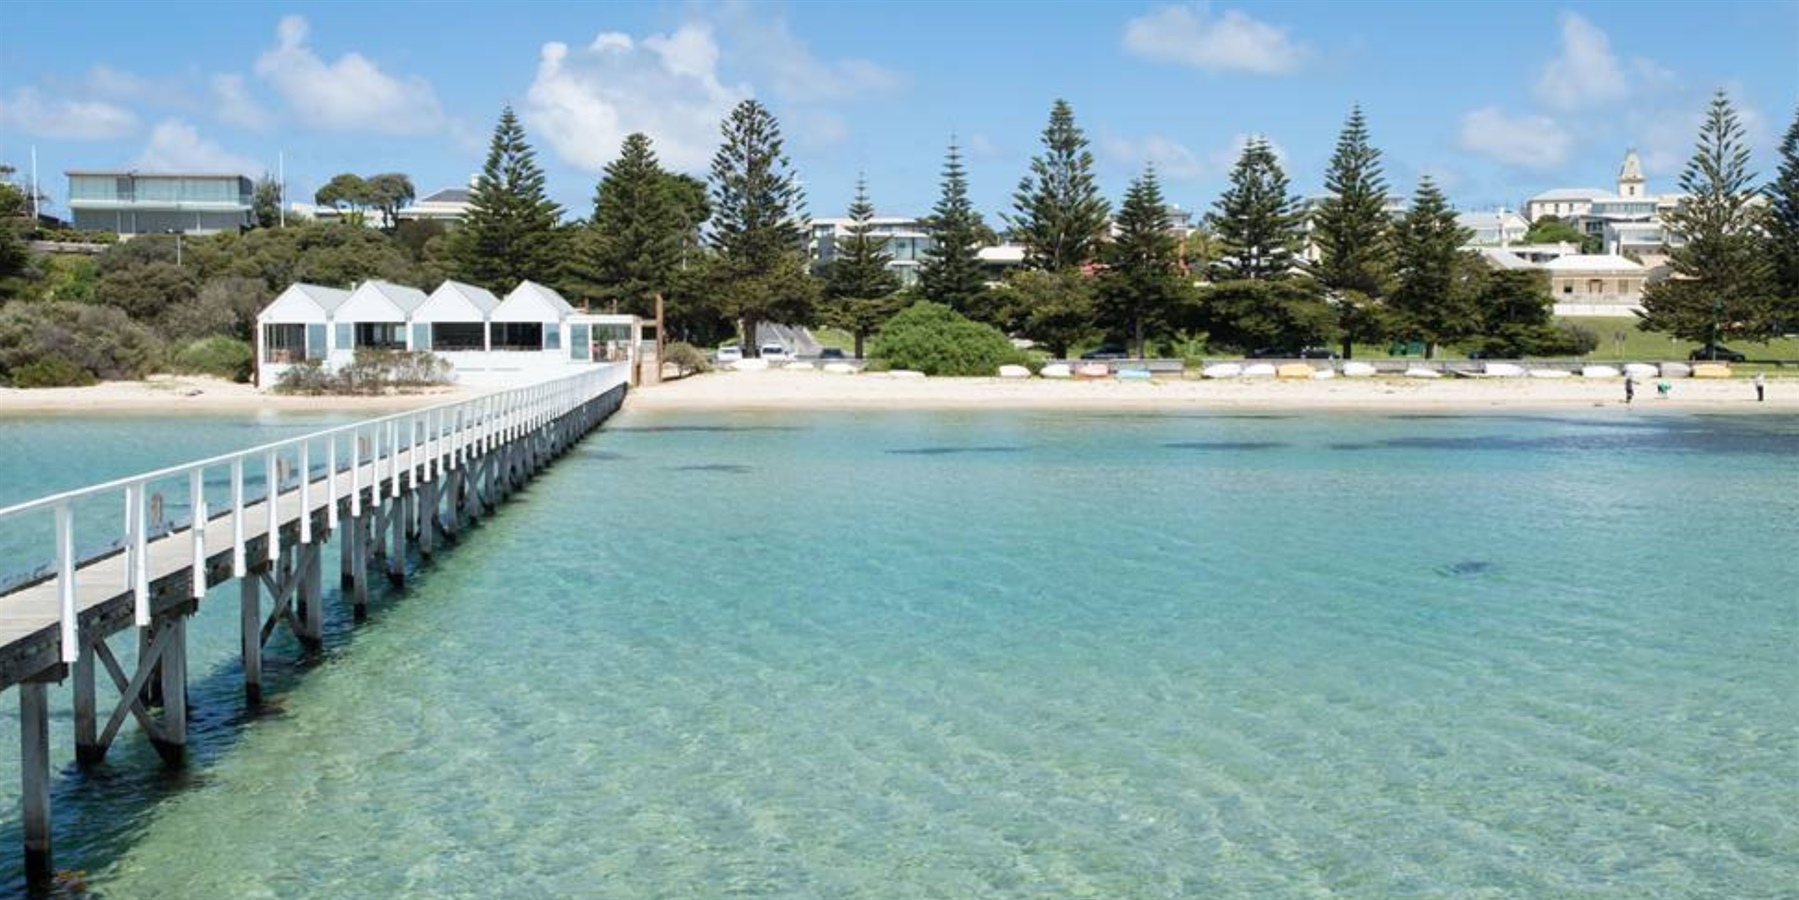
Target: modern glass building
[
  {"x": 905, "y": 239},
  {"x": 138, "y": 203}
]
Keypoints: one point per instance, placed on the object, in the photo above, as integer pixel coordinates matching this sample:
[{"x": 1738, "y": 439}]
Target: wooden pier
[{"x": 410, "y": 481}]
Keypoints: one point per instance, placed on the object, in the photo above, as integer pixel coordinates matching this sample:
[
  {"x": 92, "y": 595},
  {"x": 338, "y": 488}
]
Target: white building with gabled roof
[
  {"x": 1563, "y": 203},
  {"x": 449, "y": 206},
  {"x": 294, "y": 327},
  {"x": 454, "y": 318},
  {"x": 1598, "y": 284},
  {"x": 533, "y": 333}
]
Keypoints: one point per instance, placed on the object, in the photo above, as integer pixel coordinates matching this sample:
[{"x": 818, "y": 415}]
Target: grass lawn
[{"x": 1648, "y": 345}]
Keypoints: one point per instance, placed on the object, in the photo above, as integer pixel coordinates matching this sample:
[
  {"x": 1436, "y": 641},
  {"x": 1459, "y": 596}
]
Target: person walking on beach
[
  {"x": 1630, "y": 389},
  {"x": 1761, "y": 388}
]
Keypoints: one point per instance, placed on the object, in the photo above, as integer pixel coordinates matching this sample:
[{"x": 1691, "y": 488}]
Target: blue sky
[{"x": 1495, "y": 100}]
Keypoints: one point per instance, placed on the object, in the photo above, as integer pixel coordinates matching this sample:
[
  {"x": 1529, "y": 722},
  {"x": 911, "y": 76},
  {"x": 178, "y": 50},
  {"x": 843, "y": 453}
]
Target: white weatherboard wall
[
  {"x": 309, "y": 307},
  {"x": 561, "y": 337}
]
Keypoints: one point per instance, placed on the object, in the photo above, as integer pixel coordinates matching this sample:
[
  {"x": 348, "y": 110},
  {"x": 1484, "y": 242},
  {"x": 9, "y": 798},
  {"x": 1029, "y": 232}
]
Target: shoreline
[
  {"x": 201, "y": 395},
  {"x": 778, "y": 390}
]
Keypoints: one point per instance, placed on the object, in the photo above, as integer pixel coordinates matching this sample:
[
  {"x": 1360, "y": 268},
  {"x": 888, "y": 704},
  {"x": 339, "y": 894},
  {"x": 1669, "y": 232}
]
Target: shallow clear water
[{"x": 1025, "y": 654}]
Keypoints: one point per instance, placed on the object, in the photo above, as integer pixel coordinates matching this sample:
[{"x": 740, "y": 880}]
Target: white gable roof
[
  {"x": 532, "y": 302},
  {"x": 303, "y": 303},
  {"x": 1500, "y": 258},
  {"x": 1595, "y": 262},
  {"x": 454, "y": 301},
  {"x": 1574, "y": 194},
  {"x": 380, "y": 301}
]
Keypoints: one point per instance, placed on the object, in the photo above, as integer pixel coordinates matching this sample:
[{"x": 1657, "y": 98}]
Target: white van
[{"x": 774, "y": 353}]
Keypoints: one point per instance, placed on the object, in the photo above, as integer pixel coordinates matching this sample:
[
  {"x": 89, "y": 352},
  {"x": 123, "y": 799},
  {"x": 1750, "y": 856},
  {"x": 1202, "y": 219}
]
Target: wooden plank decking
[{"x": 30, "y": 641}]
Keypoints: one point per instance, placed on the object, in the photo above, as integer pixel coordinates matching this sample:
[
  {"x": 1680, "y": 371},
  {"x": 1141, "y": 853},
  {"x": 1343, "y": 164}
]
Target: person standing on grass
[{"x": 1761, "y": 388}]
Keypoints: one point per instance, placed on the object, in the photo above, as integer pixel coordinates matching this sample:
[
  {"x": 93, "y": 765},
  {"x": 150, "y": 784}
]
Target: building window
[
  {"x": 283, "y": 344},
  {"x": 381, "y": 335},
  {"x": 518, "y": 336},
  {"x": 1567, "y": 288},
  {"x": 345, "y": 339},
  {"x": 458, "y": 335}
]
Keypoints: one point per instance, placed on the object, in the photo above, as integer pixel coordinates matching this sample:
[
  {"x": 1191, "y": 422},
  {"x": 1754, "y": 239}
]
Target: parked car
[
  {"x": 774, "y": 353},
  {"x": 1109, "y": 351},
  {"x": 728, "y": 354},
  {"x": 831, "y": 353},
  {"x": 1716, "y": 353},
  {"x": 1293, "y": 353}
]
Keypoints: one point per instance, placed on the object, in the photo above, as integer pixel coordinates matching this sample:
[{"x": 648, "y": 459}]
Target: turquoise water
[{"x": 1025, "y": 654}]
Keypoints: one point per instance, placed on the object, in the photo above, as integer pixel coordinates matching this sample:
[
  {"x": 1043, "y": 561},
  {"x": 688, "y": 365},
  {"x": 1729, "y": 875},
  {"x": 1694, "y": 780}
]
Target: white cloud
[
  {"x": 817, "y": 129},
  {"x": 1585, "y": 74},
  {"x": 1531, "y": 142},
  {"x": 1666, "y": 136},
  {"x": 105, "y": 81},
  {"x": 351, "y": 94},
  {"x": 233, "y": 104},
  {"x": 1225, "y": 160},
  {"x": 980, "y": 146},
  {"x": 176, "y": 147},
  {"x": 1192, "y": 36},
  {"x": 76, "y": 120},
  {"x": 1171, "y": 158},
  {"x": 770, "y": 54},
  {"x": 584, "y": 102}
]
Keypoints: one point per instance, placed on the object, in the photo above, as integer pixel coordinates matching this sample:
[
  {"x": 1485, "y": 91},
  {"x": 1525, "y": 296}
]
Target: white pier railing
[{"x": 423, "y": 444}]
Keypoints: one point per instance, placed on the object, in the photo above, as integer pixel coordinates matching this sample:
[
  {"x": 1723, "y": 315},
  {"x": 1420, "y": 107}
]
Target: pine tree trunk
[
  {"x": 1137, "y": 333},
  {"x": 859, "y": 337}
]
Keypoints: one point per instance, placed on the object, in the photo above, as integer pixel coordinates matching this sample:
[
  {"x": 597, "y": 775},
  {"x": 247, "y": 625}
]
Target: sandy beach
[
  {"x": 778, "y": 389},
  {"x": 200, "y": 395},
  {"x": 815, "y": 390}
]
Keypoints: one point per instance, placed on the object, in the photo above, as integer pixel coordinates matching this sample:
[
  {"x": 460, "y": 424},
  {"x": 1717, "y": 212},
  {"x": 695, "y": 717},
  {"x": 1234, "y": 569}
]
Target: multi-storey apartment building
[{"x": 131, "y": 203}]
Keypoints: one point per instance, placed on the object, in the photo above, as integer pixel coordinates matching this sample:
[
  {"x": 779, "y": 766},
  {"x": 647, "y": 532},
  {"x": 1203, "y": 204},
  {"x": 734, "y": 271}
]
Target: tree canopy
[
  {"x": 758, "y": 225},
  {"x": 1059, "y": 214},
  {"x": 1354, "y": 235},
  {"x": 1783, "y": 230},
  {"x": 1723, "y": 282},
  {"x": 1257, "y": 224},
  {"x": 858, "y": 283},
  {"x": 510, "y": 233},
  {"x": 1433, "y": 302},
  {"x": 1142, "y": 286},
  {"x": 950, "y": 273},
  {"x": 639, "y": 230}
]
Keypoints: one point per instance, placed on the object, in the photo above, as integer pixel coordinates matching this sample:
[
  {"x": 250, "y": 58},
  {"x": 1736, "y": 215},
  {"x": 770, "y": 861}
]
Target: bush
[
  {"x": 1572, "y": 339},
  {"x": 101, "y": 341},
  {"x": 936, "y": 340},
  {"x": 371, "y": 372},
  {"x": 51, "y": 372},
  {"x": 685, "y": 357},
  {"x": 220, "y": 357}
]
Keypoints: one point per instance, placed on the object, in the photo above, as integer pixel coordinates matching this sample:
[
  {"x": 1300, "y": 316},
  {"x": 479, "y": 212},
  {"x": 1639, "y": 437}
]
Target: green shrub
[
  {"x": 685, "y": 357},
  {"x": 371, "y": 372},
  {"x": 308, "y": 377},
  {"x": 220, "y": 357},
  {"x": 49, "y": 372},
  {"x": 100, "y": 340},
  {"x": 936, "y": 340}
]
